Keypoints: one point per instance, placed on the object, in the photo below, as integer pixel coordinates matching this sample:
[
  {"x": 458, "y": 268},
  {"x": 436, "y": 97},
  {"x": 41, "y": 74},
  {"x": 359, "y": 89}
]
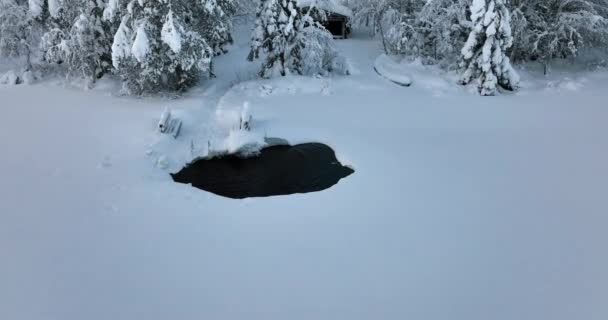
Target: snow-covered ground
[{"x": 461, "y": 207}]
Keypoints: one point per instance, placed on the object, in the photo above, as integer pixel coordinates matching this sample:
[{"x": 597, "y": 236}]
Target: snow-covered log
[
  {"x": 387, "y": 68},
  {"x": 168, "y": 124}
]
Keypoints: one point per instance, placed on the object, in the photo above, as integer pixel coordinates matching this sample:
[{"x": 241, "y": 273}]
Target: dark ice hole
[{"x": 277, "y": 170}]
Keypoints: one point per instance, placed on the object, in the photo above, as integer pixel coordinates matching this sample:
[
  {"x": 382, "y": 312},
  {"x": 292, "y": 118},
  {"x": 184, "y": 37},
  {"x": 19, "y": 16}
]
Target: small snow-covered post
[
  {"x": 169, "y": 125},
  {"x": 484, "y": 55},
  {"x": 246, "y": 118},
  {"x": 165, "y": 119}
]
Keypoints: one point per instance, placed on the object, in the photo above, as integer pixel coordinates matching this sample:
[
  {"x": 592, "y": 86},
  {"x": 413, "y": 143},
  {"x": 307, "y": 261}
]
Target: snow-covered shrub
[
  {"x": 484, "y": 55},
  {"x": 440, "y": 30},
  {"x": 159, "y": 45},
  {"x": 368, "y": 14},
  {"x": 432, "y": 30},
  {"x": 318, "y": 52},
  {"x": 546, "y": 29}
]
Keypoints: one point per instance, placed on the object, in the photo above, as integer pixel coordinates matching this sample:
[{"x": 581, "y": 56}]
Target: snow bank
[
  {"x": 391, "y": 70},
  {"x": 10, "y": 78}
]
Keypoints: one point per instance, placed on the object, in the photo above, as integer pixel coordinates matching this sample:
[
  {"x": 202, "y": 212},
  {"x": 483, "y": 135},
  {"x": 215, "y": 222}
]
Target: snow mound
[
  {"x": 567, "y": 84},
  {"x": 10, "y": 78},
  {"x": 386, "y": 67}
]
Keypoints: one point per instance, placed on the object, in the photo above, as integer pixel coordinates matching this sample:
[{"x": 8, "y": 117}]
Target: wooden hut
[{"x": 336, "y": 19}]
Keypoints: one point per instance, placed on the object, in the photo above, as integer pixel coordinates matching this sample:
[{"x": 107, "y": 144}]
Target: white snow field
[{"x": 461, "y": 207}]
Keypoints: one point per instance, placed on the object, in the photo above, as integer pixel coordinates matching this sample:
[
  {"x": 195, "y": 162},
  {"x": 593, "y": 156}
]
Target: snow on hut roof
[{"x": 333, "y": 6}]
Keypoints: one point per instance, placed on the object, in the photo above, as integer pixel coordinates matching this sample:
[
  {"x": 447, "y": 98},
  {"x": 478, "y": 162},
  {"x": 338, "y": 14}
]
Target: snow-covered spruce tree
[
  {"x": 217, "y": 23},
  {"x": 275, "y": 34},
  {"x": 293, "y": 42},
  {"x": 484, "y": 55},
  {"x": 80, "y": 39},
  {"x": 56, "y": 18},
  {"x": 15, "y": 30},
  {"x": 158, "y": 45}
]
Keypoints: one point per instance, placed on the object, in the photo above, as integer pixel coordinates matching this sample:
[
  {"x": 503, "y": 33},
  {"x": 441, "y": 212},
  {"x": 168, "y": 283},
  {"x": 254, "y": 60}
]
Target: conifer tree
[
  {"x": 15, "y": 30},
  {"x": 158, "y": 45},
  {"x": 484, "y": 55},
  {"x": 79, "y": 38},
  {"x": 275, "y": 32},
  {"x": 218, "y": 23}
]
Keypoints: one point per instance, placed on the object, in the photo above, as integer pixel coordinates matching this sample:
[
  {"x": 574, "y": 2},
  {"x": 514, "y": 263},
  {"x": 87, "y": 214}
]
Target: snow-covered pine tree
[
  {"x": 275, "y": 32},
  {"x": 80, "y": 39},
  {"x": 484, "y": 55},
  {"x": 293, "y": 41},
  {"x": 15, "y": 30},
  {"x": 158, "y": 45},
  {"x": 56, "y": 19},
  {"x": 218, "y": 23}
]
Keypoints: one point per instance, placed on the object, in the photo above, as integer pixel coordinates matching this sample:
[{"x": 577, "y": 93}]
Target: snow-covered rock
[
  {"x": 393, "y": 71},
  {"x": 163, "y": 162}
]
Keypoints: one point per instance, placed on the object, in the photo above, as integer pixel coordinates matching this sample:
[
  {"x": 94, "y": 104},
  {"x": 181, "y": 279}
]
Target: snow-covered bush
[
  {"x": 158, "y": 45},
  {"x": 439, "y": 32},
  {"x": 546, "y": 29},
  {"x": 318, "y": 53},
  {"x": 368, "y": 14},
  {"x": 432, "y": 30},
  {"x": 484, "y": 55}
]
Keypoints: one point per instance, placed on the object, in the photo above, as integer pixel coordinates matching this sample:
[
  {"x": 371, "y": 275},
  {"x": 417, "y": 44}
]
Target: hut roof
[{"x": 332, "y": 6}]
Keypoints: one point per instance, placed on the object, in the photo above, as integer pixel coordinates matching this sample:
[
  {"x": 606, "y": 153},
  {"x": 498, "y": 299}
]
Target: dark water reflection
[{"x": 278, "y": 170}]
